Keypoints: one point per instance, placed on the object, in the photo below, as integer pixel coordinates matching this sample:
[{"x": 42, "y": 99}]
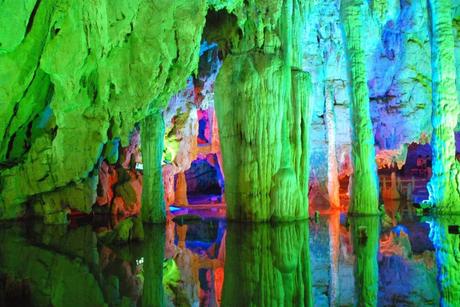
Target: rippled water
[{"x": 332, "y": 261}]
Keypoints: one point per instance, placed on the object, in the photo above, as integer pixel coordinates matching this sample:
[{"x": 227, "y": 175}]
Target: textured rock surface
[
  {"x": 153, "y": 204},
  {"x": 182, "y": 122},
  {"x": 444, "y": 186},
  {"x": 364, "y": 188},
  {"x": 263, "y": 115},
  {"x": 76, "y": 78},
  {"x": 447, "y": 246},
  {"x": 78, "y": 75},
  {"x": 398, "y": 54}
]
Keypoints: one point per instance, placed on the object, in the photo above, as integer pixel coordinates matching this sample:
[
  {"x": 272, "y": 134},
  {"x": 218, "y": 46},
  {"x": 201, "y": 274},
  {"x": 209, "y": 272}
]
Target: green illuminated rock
[
  {"x": 153, "y": 203},
  {"x": 444, "y": 186},
  {"x": 364, "y": 189},
  {"x": 263, "y": 114},
  {"x": 76, "y": 75}
]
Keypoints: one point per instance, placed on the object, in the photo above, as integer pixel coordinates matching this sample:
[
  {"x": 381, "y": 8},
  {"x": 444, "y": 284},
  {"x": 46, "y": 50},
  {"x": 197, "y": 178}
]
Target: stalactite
[
  {"x": 271, "y": 261},
  {"x": 114, "y": 60},
  {"x": 444, "y": 186},
  {"x": 263, "y": 116},
  {"x": 332, "y": 165},
  {"x": 447, "y": 246},
  {"x": 364, "y": 191},
  {"x": 152, "y": 135},
  {"x": 365, "y": 236}
]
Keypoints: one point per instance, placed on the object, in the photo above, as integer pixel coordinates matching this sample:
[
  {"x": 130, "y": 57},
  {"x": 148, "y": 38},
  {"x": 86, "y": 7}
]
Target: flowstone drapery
[
  {"x": 76, "y": 76},
  {"x": 263, "y": 114}
]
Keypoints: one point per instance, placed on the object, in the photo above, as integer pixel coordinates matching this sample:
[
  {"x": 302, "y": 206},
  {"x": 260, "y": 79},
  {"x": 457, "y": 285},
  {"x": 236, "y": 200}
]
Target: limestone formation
[
  {"x": 78, "y": 75},
  {"x": 364, "y": 189},
  {"x": 153, "y": 204},
  {"x": 263, "y": 114},
  {"x": 444, "y": 186},
  {"x": 444, "y": 233}
]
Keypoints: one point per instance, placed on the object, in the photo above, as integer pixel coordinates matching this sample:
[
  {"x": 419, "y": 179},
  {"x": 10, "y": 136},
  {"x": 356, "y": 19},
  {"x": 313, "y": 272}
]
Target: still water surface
[{"x": 333, "y": 261}]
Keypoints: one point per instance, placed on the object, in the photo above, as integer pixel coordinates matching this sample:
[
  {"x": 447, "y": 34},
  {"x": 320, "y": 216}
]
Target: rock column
[
  {"x": 263, "y": 116},
  {"x": 364, "y": 189},
  {"x": 444, "y": 185},
  {"x": 447, "y": 246},
  {"x": 152, "y": 134}
]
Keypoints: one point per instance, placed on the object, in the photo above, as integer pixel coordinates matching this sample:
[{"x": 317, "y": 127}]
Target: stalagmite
[
  {"x": 333, "y": 172},
  {"x": 365, "y": 236},
  {"x": 273, "y": 266},
  {"x": 444, "y": 233},
  {"x": 444, "y": 186},
  {"x": 364, "y": 190},
  {"x": 181, "y": 190},
  {"x": 263, "y": 116},
  {"x": 152, "y": 134}
]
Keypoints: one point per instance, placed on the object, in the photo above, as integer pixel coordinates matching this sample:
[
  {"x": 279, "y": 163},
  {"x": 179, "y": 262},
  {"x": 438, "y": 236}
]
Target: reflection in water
[
  {"x": 209, "y": 263},
  {"x": 445, "y": 234},
  {"x": 334, "y": 246},
  {"x": 365, "y": 236},
  {"x": 153, "y": 249},
  {"x": 267, "y": 265}
]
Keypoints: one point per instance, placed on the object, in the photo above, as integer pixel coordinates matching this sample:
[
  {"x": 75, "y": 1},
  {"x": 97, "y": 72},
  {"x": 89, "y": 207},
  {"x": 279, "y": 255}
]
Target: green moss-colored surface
[
  {"x": 365, "y": 188},
  {"x": 153, "y": 203},
  {"x": 99, "y": 67},
  {"x": 263, "y": 114}
]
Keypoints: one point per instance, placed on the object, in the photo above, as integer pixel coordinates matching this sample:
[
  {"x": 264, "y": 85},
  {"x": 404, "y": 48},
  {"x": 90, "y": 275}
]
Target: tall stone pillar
[
  {"x": 364, "y": 189},
  {"x": 152, "y": 136},
  {"x": 333, "y": 185},
  {"x": 444, "y": 185},
  {"x": 264, "y": 115},
  {"x": 447, "y": 247}
]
